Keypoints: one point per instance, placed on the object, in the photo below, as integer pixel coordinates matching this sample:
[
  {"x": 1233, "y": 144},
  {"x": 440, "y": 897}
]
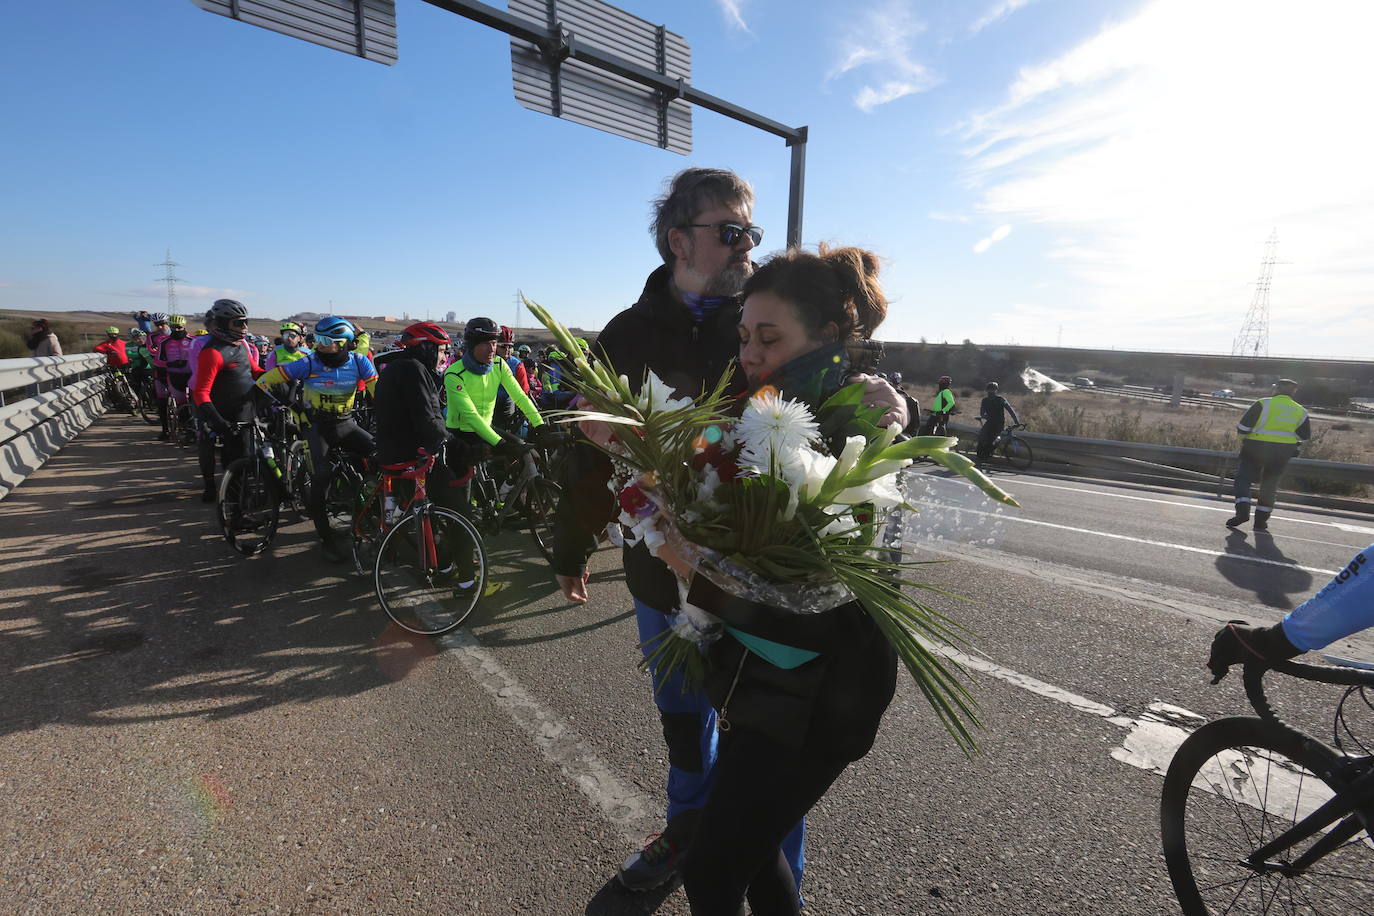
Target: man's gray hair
[{"x": 690, "y": 192}]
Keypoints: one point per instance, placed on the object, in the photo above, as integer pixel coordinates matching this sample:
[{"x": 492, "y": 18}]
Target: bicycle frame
[
  {"x": 1352, "y": 806},
  {"x": 418, "y": 503}
]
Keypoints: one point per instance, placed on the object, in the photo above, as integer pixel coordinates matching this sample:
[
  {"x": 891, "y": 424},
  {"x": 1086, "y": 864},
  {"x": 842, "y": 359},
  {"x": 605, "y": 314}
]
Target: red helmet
[
  {"x": 507, "y": 335},
  {"x": 424, "y": 332}
]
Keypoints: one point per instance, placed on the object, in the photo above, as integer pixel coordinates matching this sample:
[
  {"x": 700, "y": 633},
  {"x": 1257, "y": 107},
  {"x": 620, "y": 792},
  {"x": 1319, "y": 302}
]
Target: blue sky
[{"x": 1103, "y": 173}]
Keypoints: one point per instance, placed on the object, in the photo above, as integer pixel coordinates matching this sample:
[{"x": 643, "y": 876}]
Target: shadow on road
[
  {"x": 615, "y": 900},
  {"x": 120, "y": 602},
  {"x": 1273, "y": 579}
]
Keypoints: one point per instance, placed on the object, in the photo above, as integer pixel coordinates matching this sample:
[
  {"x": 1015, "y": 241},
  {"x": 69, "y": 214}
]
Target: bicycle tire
[
  {"x": 1208, "y": 835},
  {"x": 539, "y": 500},
  {"x": 298, "y": 476},
  {"x": 1017, "y": 453},
  {"x": 174, "y": 424},
  {"x": 421, "y": 597},
  {"x": 334, "y": 507},
  {"x": 248, "y": 511},
  {"x": 367, "y": 533}
]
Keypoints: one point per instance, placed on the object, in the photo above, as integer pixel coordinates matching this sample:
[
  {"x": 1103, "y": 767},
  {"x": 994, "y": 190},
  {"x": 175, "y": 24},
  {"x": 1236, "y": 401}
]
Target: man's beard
[{"x": 730, "y": 281}]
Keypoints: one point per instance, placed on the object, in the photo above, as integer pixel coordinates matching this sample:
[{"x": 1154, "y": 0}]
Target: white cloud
[
  {"x": 991, "y": 239},
  {"x": 1166, "y": 147},
  {"x": 734, "y": 15},
  {"x": 197, "y": 293},
  {"x": 1001, "y": 11},
  {"x": 881, "y": 42}
]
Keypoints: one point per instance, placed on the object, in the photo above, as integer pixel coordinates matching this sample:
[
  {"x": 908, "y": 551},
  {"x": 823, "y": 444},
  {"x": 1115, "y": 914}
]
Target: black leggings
[
  {"x": 232, "y": 447},
  {"x": 324, "y": 435},
  {"x": 762, "y": 790}
]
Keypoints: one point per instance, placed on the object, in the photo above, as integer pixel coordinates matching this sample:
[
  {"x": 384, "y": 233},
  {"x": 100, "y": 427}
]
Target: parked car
[
  {"x": 1084, "y": 382},
  {"x": 1223, "y": 393}
]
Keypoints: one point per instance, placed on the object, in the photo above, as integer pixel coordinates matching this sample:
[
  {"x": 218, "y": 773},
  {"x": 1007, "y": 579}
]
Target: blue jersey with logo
[
  {"x": 1345, "y": 605},
  {"x": 326, "y": 389}
]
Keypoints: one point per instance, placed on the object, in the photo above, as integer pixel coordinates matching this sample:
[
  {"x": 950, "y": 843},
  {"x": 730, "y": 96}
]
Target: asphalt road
[{"x": 187, "y": 731}]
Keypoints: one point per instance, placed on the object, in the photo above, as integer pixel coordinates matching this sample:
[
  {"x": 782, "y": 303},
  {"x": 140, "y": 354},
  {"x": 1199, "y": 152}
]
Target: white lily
[{"x": 656, "y": 394}]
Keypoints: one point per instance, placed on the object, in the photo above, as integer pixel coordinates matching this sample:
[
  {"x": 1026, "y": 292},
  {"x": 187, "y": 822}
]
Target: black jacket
[
  {"x": 409, "y": 414},
  {"x": 657, "y": 333}
]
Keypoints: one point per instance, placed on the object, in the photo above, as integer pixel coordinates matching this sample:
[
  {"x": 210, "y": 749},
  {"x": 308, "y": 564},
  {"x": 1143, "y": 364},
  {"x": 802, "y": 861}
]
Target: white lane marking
[
  {"x": 1125, "y": 537},
  {"x": 632, "y": 812},
  {"x": 1026, "y": 682},
  {"x": 1341, "y": 526}
]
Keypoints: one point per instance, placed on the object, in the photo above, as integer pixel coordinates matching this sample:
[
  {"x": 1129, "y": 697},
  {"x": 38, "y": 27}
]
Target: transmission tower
[
  {"x": 171, "y": 280},
  {"x": 1253, "y": 339}
]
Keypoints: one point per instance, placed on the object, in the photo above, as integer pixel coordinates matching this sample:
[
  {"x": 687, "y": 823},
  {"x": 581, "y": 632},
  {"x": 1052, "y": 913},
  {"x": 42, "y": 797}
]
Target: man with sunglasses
[{"x": 222, "y": 386}]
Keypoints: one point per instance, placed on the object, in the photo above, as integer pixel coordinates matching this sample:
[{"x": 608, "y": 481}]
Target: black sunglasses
[
  {"x": 238, "y": 322},
  {"x": 731, "y": 233}
]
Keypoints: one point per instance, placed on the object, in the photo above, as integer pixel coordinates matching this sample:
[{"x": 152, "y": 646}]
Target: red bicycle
[{"x": 427, "y": 563}]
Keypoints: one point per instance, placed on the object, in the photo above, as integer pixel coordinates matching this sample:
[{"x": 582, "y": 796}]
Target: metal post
[{"x": 796, "y": 188}]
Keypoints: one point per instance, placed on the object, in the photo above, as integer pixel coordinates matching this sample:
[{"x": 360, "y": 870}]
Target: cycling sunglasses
[
  {"x": 238, "y": 322},
  {"x": 731, "y": 233}
]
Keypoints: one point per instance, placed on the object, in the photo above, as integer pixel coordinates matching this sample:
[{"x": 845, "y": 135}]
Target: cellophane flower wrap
[{"x": 761, "y": 507}]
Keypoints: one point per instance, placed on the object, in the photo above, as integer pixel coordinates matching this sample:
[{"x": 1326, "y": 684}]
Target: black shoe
[
  {"x": 653, "y": 866},
  {"x": 165, "y": 436},
  {"x": 1241, "y": 517},
  {"x": 1261, "y": 521},
  {"x": 208, "y": 495}
]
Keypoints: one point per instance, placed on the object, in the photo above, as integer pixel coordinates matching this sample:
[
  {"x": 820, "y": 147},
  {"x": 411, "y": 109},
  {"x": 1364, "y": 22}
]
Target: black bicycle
[
  {"x": 250, "y": 493},
  {"x": 515, "y": 492},
  {"x": 1259, "y": 817},
  {"x": 120, "y": 395}
]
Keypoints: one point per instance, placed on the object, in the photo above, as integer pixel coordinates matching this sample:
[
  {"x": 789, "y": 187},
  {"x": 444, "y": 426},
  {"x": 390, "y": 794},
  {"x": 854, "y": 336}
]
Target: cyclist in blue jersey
[
  {"x": 330, "y": 378},
  {"x": 1344, "y": 606}
]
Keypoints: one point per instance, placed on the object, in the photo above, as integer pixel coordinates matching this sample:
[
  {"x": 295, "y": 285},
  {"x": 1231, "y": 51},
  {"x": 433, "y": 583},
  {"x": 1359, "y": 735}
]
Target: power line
[
  {"x": 171, "y": 280},
  {"x": 1253, "y": 339}
]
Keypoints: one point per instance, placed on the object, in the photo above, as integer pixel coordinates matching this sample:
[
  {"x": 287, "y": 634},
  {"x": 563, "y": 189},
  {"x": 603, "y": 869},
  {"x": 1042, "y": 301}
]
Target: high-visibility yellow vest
[{"x": 1279, "y": 419}]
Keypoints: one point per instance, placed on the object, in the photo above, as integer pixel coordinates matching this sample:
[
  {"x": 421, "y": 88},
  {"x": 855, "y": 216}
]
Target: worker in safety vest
[{"x": 1270, "y": 432}]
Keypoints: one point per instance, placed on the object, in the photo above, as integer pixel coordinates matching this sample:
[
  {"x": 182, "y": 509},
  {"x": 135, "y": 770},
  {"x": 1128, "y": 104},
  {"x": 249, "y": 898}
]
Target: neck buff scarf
[
  {"x": 474, "y": 366},
  {"x": 700, "y": 306}
]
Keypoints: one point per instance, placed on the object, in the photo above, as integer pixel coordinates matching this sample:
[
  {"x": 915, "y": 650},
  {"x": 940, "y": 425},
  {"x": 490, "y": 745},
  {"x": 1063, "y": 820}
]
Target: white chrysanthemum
[
  {"x": 772, "y": 430},
  {"x": 656, "y": 394}
]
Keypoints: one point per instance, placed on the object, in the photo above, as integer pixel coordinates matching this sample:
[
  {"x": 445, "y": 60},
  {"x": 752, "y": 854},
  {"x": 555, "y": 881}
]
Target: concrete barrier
[{"x": 44, "y": 402}]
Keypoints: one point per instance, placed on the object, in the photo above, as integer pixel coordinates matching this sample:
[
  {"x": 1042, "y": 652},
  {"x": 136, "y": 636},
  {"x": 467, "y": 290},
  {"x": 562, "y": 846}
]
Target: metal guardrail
[
  {"x": 44, "y": 402},
  {"x": 1190, "y": 461}
]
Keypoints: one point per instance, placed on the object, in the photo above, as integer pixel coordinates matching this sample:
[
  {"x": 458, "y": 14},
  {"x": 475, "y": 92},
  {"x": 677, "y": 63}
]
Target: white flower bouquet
[{"x": 759, "y": 506}]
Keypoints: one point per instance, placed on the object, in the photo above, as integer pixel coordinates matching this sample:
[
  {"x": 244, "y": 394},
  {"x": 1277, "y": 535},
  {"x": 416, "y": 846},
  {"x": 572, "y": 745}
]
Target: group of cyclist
[{"x": 460, "y": 401}]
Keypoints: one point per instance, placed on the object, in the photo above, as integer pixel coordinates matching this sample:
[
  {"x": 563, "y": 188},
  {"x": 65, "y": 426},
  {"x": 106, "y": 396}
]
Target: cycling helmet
[
  {"x": 334, "y": 329},
  {"x": 581, "y": 342},
  {"x": 945, "y": 381},
  {"x": 993, "y": 386},
  {"x": 136, "y": 332},
  {"x": 112, "y": 331},
  {"x": 556, "y": 354},
  {"x": 480, "y": 330},
  {"x": 176, "y": 321},
  {"x": 423, "y": 332},
  {"x": 507, "y": 335},
  {"x": 159, "y": 318},
  {"x": 222, "y": 315},
  {"x": 523, "y": 350},
  {"x": 291, "y": 326}
]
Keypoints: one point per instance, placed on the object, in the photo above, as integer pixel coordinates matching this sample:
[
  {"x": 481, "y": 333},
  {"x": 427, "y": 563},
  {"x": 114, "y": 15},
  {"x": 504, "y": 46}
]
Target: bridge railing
[{"x": 44, "y": 402}]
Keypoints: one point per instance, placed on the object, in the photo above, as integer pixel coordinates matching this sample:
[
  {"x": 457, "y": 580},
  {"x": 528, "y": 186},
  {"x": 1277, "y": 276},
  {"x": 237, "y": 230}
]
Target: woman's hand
[
  {"x": 574, "y": 588},
  {"x": 879, "y": 393}
]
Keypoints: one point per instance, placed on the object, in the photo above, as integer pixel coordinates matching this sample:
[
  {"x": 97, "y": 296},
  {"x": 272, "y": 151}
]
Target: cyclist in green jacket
[
  {"x": 940, "y": 409},
  {"x": 471, "y": 384}
]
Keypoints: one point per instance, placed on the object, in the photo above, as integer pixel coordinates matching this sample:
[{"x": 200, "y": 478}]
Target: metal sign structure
[
  {"x": 365, "y": 28},
  {"x": 577, "y": 67},
  {"x": 584, "y": 93}
]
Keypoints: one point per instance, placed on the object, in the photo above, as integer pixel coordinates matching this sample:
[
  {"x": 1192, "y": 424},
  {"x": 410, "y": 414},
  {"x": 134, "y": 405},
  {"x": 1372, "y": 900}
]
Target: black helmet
[
  {"x": 221, "y": 313},
  {"x": 480, "y": 330},
  {"x": 992, "y": 386}
]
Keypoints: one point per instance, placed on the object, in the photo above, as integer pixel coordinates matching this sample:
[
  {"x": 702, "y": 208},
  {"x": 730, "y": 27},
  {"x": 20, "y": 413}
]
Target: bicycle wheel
[
  {"x": 539, "y": 500},
  {"x": 335, "y": 506},
  {"x": 430, "y": 585},
  {"x": 248, "y": 506},
  {"x": 1017, "y": 453},
  {"x": 367, "y": 532},
  {"x": 298, "y": 476},
  {"x": 1235, "y": 785}
]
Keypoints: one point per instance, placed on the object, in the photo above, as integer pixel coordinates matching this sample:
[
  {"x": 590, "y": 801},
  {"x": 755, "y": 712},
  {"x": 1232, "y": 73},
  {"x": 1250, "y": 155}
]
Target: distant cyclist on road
[
  {"x": 175, "y": 355},
  {"x": 940, "y": 408},
  {"x": 992, "y": 411},
  {"x": 140, "y": 360},
  {"x": 114, "y": 350}
]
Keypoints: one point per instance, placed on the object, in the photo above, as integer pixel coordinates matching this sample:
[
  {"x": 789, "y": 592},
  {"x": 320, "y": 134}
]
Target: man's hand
[
  {"x": 212, "y": 418},
  {"x": 1238, "y": 643},
  {"x": 879, "y": 393},
  {"x": 574, "y": 588}
]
